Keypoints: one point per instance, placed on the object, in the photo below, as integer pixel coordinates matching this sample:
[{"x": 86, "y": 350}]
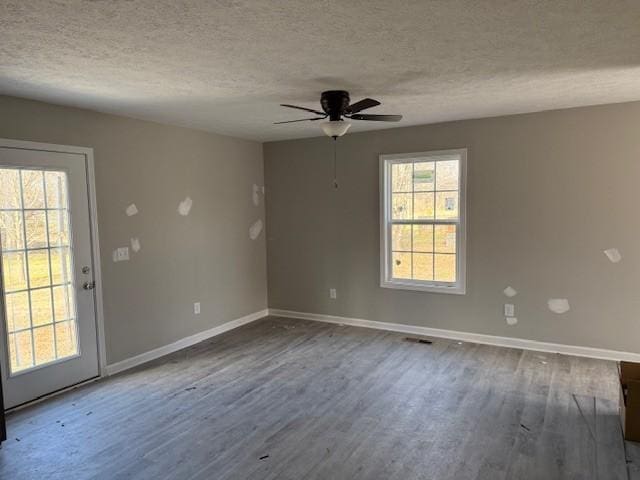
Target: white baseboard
[
  {"x": 131, "y": 362},
  {"x": 510, "y": 342}
]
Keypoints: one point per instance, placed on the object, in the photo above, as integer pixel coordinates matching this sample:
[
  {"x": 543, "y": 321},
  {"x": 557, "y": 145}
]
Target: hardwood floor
[{"x": 291, "y": 399}]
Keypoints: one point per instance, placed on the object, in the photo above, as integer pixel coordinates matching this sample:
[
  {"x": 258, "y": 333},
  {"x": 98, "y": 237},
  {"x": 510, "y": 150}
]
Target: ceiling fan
[{"x": 336, "y": 105}]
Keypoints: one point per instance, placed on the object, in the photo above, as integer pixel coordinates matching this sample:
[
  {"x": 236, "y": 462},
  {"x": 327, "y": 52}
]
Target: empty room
[{"x": 325, "y": 240}]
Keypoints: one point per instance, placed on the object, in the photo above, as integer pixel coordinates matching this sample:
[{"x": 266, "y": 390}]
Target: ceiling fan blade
[
  {"x": 362, "y": 105},
  {"x": 303, "y": 108},
  {"x": 301, "y": 120},
  {"x": 377, "y": 118}
]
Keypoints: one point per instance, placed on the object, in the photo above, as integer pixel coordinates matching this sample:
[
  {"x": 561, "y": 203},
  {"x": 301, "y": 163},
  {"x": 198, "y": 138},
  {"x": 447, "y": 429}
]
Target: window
[
  {"x": 422, "y": 242},
  {"x": 37, "y": 277}
]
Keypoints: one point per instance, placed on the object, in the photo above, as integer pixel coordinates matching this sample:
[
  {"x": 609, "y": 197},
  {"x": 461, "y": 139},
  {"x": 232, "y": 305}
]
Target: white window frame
[{"x": 386, "y": 278}]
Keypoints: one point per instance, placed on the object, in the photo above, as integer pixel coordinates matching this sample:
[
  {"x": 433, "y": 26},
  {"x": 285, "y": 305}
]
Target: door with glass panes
[{"x": 48, "y": 331}]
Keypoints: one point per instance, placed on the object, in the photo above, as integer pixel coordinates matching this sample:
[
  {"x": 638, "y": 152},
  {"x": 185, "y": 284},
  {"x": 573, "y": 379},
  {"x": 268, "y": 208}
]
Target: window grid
[
  {"x": 46, "y": 225},
  {"x": 35, "y": 289},
  {"x": 26, "y": 260},
  {"x": 36, "y": 249},
  {"x": 413, "y": 208},
  {"x": 431, "y": 222},
  {"x": 67, "y": 282},
  {"x": 18, "y": 210},
  {"x": 435, "y": 209}
]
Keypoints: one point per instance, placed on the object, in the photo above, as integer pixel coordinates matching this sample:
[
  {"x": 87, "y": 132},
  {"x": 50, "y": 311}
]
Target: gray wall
[
  {"x": 547, "y": 193},
  {"x": 206, "y": 256}
]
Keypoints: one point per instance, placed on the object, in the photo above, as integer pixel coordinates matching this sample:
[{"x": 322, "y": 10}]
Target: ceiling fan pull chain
[{"x": 335, "y": 164}]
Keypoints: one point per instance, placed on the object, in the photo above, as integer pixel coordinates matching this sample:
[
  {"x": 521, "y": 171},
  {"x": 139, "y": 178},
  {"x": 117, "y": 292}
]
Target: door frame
[{"x": 93, "y": 229}]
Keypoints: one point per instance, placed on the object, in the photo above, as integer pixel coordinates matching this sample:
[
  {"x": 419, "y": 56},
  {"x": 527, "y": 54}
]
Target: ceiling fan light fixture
[{"x": 335, "y": 128}]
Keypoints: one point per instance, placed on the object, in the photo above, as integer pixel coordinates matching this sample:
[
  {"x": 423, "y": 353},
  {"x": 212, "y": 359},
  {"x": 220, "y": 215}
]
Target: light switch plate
[
  {"x": 333, "y": 294},
  {"x": 509, "y": 310},
  {"x": 121, "y": 254},
  {"x": 196, "y": 308}
]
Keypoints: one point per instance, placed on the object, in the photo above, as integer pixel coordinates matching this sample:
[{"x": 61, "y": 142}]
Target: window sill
[{"x": 399, "y": 285}]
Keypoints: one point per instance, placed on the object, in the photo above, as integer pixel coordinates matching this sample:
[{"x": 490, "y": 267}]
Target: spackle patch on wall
[
  {"x": 613, "y": 254},
  {"x": 558, "y": 305},
  {"x": 131, "y": 210},
  {"x": 185, "y": 206},
  {"x": 256, "y": 194},
  {"x": 511, "y": 320},
  {"x": 135, "y": 244},
  {"x": 255, "y": 230},
  {"x": 510, "y": 292}
]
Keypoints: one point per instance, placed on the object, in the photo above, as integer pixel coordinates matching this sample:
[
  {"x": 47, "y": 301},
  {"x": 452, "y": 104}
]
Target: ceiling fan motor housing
[{"x": 335, "y": 103}]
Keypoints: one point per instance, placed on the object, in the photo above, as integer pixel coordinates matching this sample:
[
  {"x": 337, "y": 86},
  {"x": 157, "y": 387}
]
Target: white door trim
[{"x": 93, "y": 212}]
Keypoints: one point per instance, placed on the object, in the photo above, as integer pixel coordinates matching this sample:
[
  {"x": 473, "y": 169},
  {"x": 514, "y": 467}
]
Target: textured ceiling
[{"x": 224, "y": 66}]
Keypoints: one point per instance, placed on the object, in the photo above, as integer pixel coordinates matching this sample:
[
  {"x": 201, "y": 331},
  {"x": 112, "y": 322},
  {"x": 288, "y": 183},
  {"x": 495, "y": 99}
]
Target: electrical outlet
[
  {"x": 333, "y": 294},
  {"x": 509, "y": 310},
  {"x": 196, "y": 308}
]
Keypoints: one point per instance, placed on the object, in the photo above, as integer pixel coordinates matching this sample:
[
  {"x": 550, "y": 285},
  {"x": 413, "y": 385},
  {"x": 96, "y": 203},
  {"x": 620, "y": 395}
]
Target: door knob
[{"x": 89, "y": 285}]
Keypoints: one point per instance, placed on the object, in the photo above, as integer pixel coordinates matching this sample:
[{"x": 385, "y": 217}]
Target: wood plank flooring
[{"x": 290, "y": 399}]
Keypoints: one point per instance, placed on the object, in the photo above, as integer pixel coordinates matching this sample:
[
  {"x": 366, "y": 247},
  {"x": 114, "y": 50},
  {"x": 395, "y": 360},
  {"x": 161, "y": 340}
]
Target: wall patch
[
  {"x": 510, "y": 292},
  {"x": 185, "y": 206},
  {"x": 613, "y": 254},
  {"x": 255, "y": 230},
  {"x": 135, "y": 244},
  {"x": 256, "y": 194},
  {"x": 558, "y": 305},
  {"x": 131, "y": 210}
]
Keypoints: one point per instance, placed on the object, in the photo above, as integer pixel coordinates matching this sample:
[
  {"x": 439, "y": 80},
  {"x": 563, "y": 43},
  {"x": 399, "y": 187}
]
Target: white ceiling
[{"x": 224, "y": 66}]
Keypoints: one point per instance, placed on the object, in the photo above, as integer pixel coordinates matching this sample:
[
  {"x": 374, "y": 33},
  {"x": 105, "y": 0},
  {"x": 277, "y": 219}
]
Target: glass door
[{"x": 48, "y": 331}]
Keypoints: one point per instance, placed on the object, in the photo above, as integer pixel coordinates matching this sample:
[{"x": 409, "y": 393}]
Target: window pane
[
  {"x": 20, "y": 350},
  {"x": 9, "y": 188},
  {"x": 63, "y": 302},
  {"x": 17, "y": 311},
  {"x": 401, "y": 265},
  {"x": 11, "y": 232},
  {"x": 33, "y": 188},
  {"x": 401, "y": 177},
  {"x": 445, "y": 238},
  {"x": 423, "y": 176},
  {"x": 41, "y": 312},
  {"x": 36, "y": 228},
  {"x": 66, "y": 339},
  {"x": 423, "y": 238},
  {"x": 45, "y": 344},
  {"x": 14, "y": 271},
  {"x": 31, "y": 333},
  {"x": 58, "y": 227},
  {"x": 447, "y": 175},
  {"x": 402, "y": 206},
  {"x": 423, "y": 207},
  {"x": 401, "y": 238},
  {"x": 445, "y": 267},
  {"x": 56, "y": 184},
  {"x": 446, "y": 205},
  {"x": 60, "y": 265},
  {"x": 423, "y": 266},
  {"x": 39, "y": 268}
]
